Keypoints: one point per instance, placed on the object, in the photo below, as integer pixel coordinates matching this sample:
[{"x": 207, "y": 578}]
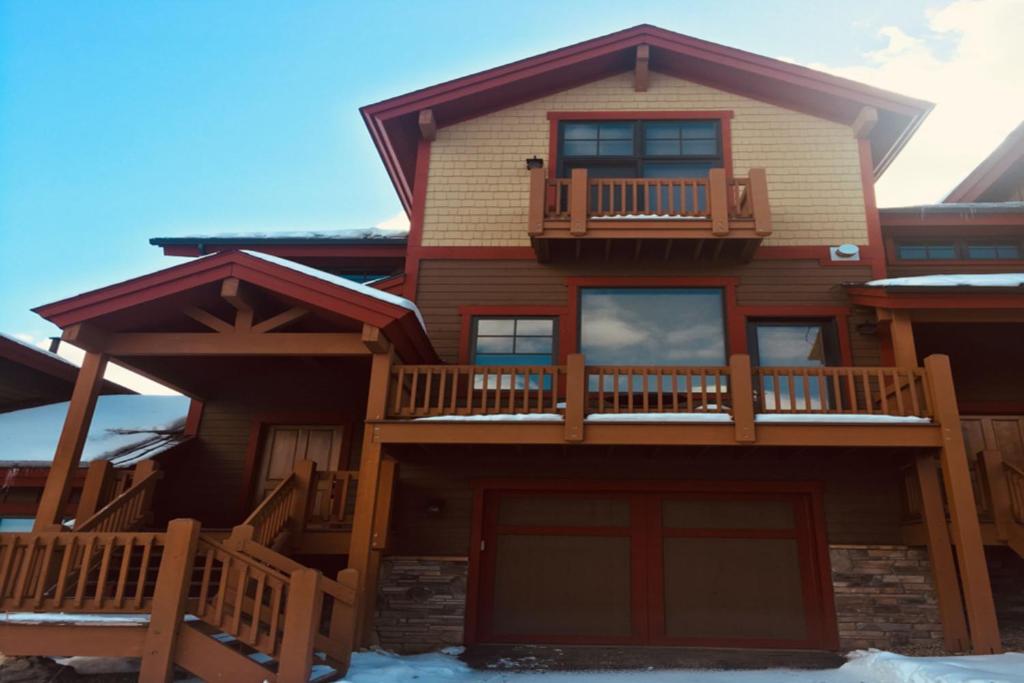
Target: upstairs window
[
  {"x": 959, "y": 250},
  {"x": 513, "y": 341},
  {"x": 640, "y": 149}
]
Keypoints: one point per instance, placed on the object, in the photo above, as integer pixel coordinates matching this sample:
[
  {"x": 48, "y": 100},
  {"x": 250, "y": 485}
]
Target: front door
[
  {"x": 699, "y": 568},
  {"x": 286, "y": 445}
]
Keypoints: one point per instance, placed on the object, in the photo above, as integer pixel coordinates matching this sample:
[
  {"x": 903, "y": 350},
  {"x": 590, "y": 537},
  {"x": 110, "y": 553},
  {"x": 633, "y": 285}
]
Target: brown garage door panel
[{"x": 734, "y": 568}]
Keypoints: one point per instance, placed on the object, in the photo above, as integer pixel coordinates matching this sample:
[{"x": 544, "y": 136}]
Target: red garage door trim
[{"x": 816, "y": 582}]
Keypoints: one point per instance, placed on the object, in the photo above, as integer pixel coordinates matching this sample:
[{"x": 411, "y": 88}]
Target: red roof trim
[
  {"x": 989, "y": 171},
  {"x": 834, "y": 97},
  {"x": 944, "y": 298},
  {"x": 44, "y": 362},
  {"x": 399, "y": 323}
]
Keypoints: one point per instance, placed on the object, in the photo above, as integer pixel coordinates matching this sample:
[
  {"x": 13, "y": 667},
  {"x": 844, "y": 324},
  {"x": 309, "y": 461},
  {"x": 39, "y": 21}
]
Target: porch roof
[{"x": 144, "y": 303}]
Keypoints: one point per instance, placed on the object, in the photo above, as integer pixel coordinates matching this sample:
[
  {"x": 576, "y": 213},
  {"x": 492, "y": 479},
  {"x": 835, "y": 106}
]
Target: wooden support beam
[
  {"x": 718, "y": 201},
  {"x": 84, "y": 337},
  {"x": 232, "y": 291},
  {"x": 642, "y": 74},
  {"x": 940, "y": 555},
  {"x": 579, "y": 200},
  {"x": 741, "y": 390},
  {"x": 538, "y": 198},
  {"x": 208, "y": 319},
  {"x": 865, "y": 122},
  {"x": 375, "y": 340},
  {"x": 98, "y": 480},
  {"x": 575, "y": 396},
  {"x": 235, "y": 344},
  {"x": 428, "y": 126},
  {"x": 901, "y": 331},
  {"x": 72, "y": 441},
  {"x": 169, "y": 599},
  {"x": 280, "y": 320},
  {"x": 379, "y": 542},
  {"x": 963, "y": 513},
  {"x": 301, "y": 623},
  {"x": 361, "y": 545},
  {"x": 757, "y": 186}
]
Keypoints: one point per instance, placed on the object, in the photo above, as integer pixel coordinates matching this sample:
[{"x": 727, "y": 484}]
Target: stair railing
[
  {"x": 286, "y": 508},
  {"x": 130, "y": 509}
]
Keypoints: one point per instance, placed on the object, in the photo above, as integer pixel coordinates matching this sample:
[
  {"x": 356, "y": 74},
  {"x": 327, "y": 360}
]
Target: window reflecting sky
[
  {"x": 643, "y": 326},
  {"x": 790, "y": 345}
]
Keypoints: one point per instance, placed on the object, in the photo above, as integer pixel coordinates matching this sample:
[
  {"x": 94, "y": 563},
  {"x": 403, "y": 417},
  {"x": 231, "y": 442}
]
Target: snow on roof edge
[
  {"x": 372, "y": 234},
  {"x": 952, "y": 280}
]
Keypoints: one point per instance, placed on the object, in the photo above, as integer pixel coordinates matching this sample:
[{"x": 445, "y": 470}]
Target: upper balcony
[{"x": 712, "y": 218}]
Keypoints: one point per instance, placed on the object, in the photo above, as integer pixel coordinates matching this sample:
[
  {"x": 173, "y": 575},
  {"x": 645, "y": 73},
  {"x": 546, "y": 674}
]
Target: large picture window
[{"x": 652, "y": 326}]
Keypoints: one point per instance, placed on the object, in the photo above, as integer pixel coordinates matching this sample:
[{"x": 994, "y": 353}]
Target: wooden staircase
[{"x": 224, "y": 610}]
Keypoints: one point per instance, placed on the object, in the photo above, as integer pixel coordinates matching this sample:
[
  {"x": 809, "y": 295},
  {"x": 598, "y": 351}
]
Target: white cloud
[
  {"x": 397, "y": 222},
  {"x": 968, "y": 62},
  {"x": 114, "y": 372}
]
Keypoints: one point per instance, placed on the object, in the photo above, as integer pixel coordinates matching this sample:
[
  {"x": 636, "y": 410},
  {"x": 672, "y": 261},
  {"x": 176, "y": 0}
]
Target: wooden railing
[
  {"x": 129, "y": 510},
  {"x": 613, "y": 389},
  {"x": 1015, "y": 484},
  {"x": 431, "y": 390},
  {"x": 847, "y": 390},
  {"x": 717, "y": 199},
  {"x": 335, "y": 498},
  {"x": 274, "y": 513},
  {"x": 79, "y": 572}
]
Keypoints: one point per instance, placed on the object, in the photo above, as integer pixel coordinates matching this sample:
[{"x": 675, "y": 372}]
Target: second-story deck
[
  {"x": 594, "y": 404},
  {"x": 715, "y": 217}
]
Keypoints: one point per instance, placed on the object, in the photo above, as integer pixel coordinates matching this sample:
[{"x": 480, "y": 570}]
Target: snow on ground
[
  {"x": 961, "y": 280},
  {"x": 863, "y": 667},
  {"x": 120, "y": 422}
]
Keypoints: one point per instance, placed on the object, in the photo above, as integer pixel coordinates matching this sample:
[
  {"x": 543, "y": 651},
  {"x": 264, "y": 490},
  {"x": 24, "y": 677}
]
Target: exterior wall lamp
[{"x": 534, "y": 162}]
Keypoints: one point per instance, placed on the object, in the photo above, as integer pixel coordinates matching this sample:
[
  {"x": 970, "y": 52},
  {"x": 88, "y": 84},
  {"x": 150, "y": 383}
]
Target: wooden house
[{"x": 637, "y": 375}]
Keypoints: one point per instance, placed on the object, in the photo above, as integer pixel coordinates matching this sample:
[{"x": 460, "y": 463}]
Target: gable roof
[
  {"x": 393, "y": 123},
  {"x": 1007, "y": 158},
  {"x": 397, "y": 317},
  {"x": 30, "y": 376}
]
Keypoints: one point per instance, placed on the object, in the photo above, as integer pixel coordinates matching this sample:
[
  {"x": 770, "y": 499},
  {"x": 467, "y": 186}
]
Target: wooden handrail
[
  {"x": 1015, "y": 484},
  {"x": 432, "y": 390},
  {"x": 624, "y": 389},
  {"x": 845, "y": 390},
  {"x": 335, "y": 497},
  {"x": 272, "y": 515},
  {"x": 78, "y": 572},
  {"x": 127, "y": 511}
]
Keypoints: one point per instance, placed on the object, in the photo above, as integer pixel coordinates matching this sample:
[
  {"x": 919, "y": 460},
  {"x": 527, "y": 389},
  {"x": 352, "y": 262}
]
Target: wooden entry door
[
  {"x": 700, "y": 568},
  {"x": 285, "y": 445}
]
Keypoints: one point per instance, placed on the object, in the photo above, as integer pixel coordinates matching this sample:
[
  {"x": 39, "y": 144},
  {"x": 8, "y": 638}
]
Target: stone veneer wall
[
  {"x": 421, "y": 605},
  {"x": 883, "y": 593},
  {"x": 885, "y": 598}
]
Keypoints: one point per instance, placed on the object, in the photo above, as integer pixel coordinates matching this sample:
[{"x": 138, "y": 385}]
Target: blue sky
[{"x": 120, "y": 121}]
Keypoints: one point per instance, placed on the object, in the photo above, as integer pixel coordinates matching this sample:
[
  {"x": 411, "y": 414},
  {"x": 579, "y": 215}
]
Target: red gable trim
[
  {"x": 989, "y": 171},
  {"x": 398, "y": 323},
  {"x": 393, "y": 123}
]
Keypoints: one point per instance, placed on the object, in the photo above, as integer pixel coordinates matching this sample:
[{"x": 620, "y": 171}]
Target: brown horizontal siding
[
  {"x": 445, "y": 285},
  {"x": 862, "y": 499}
]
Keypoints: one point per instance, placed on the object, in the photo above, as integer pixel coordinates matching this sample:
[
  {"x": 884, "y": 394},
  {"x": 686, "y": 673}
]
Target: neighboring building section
[{"x": 999, "y": 178}]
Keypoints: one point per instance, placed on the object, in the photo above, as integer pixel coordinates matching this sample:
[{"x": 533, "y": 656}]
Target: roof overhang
[
  {"x": 51, "y": 365},
  {"x": 395, "y": 127},
  {"x": 1007, "y": 158},
  {"x": 398, "y": 321},
  {"x": 937, "y": 298},
  {"x": 944, "y": 219}
]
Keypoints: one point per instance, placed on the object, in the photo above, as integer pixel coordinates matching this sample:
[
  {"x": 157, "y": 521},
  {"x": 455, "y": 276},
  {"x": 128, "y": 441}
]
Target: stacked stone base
[{"x": 884, "y": 598}]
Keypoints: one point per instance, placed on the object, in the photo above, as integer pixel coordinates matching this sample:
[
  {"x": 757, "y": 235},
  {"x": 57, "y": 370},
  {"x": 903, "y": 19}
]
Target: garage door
[{"x": 703, "y": 568}]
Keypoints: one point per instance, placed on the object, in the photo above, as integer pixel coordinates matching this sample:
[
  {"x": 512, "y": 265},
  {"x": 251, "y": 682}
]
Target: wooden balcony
[
  {"x": 714, "y": 218},
  {"x": 734, "y": 403}
]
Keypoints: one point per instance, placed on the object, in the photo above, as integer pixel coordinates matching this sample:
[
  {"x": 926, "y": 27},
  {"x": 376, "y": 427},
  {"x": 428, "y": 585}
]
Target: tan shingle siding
[{"x": 477, "y": 191}]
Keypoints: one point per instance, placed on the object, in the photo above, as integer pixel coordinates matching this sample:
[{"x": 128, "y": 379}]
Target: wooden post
[
  {"x": 98, "y": 480},
  {"x": 579, "y": 200},
  {"x": 642, "y": 72},
  {"x": 361, "y": 543},
  {"x": 169, "y": 600},
  {"x": 343, "y": 617},
  {"x": 741, "y": 391},
  {"x": 301, "y": 621},
  {"x": 940, "y": 554},
  {"x": 901, "y": 331},
  {"x": 575, "y": 396},
  {"x": 305, "y": 494},
  {"x": 956, "y": 474},
  {"x": 538, "y": 198},
  {"x": 991, "y": 471},
  {"x": 72, "y": 440},
  {"x": 718, "y": 201},
  {"x": 379, "y": 543},
  {"x": 757, "y": 186}
]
